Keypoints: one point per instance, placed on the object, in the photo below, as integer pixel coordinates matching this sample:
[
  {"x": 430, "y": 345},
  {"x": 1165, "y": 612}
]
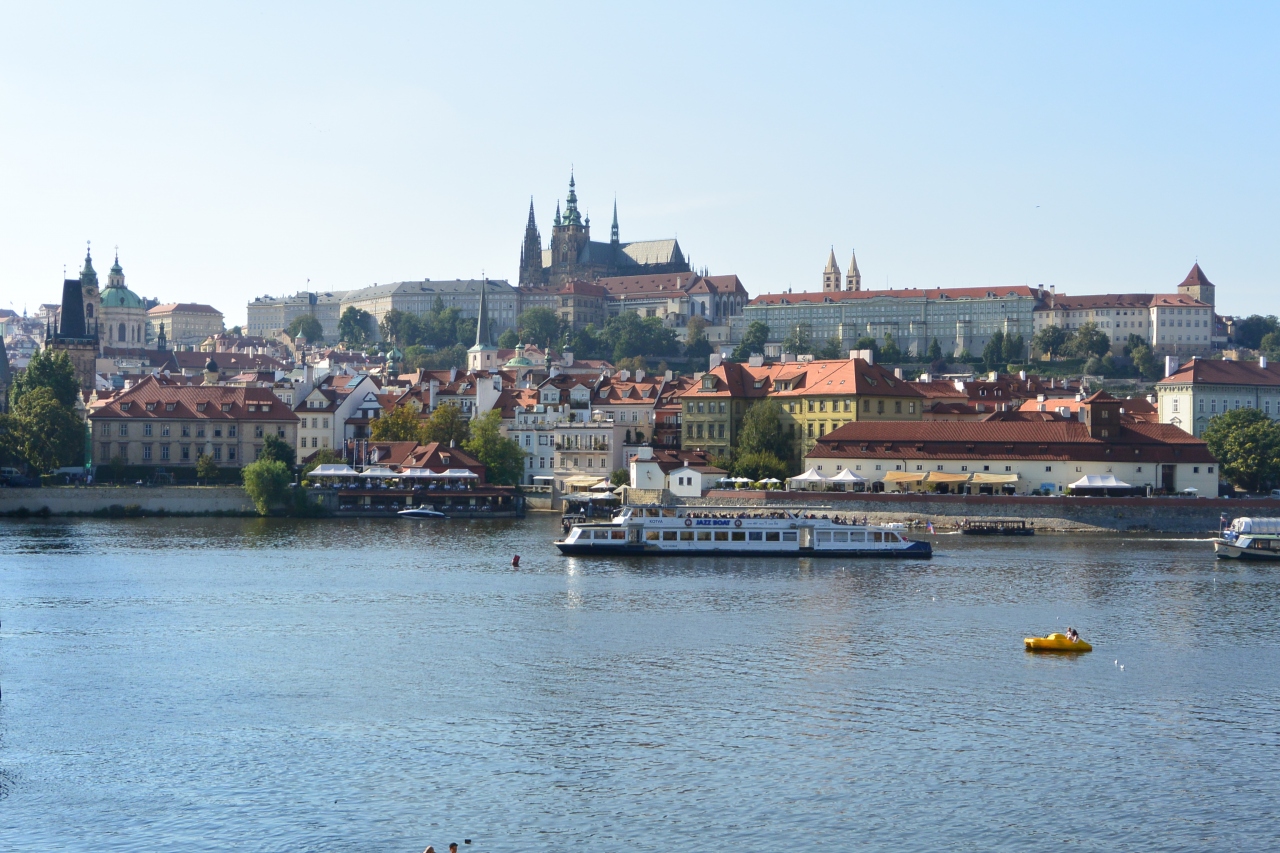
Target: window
[
  {"x": 217, "y": 431},
  {"x": 822, "y": 405},
  {"x": 199, "y": 430},
  {"x": 186, "y": 451},
  {"x": 124, "y": 451},
  {"x": 879, "y": 407},
  {"x": 866, "y": 405},
  {"x": 231, "y": 453},
  {"x": 911, "y": 408},
  {"x": 325, "y": 423},
  {"x": 1209, "y": 469},
  {"x": 722, "y": 407},
  {"x": 1048, "y": 469},
  {"x": 279, "y": 432},
  {"x": 164, "y": 453},
  {"x": 217, "y": 453},
  {"x": 1195, "y": 469},
  {"x": 1007, "y": 469},
  {"x": 810, "y": 430},
  {"x": 810, "y": 405},
  {"x": 231, "y": 431},
  {"x": 986, "y": 467},
  {"x": 721, "y": 430},
  {"x": 257, "y": 432},
  {"x": 146, "y": 429},
  {"x": 146, "y": 452},
  {"x": 105, "y": 429},
  {"x": 124, "y": 429},
  {"x": 772, "y": 536}
]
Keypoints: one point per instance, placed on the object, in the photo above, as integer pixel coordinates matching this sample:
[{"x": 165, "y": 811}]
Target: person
[{"x": 1072, "y": 635}]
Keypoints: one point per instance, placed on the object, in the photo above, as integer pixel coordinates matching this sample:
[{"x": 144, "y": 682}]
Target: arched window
[
  {"x": 88, "y": 310},
  {"x": 121, "y": 338}
]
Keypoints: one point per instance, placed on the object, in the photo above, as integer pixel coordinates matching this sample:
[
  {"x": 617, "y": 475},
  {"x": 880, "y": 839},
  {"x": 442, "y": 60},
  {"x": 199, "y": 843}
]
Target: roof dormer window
[
  {"x": 169, "y": 407},
  {"x": 200, "y": 406},
  {"x": 151, "y": 407},
  {"x": 124, "y": 407}
]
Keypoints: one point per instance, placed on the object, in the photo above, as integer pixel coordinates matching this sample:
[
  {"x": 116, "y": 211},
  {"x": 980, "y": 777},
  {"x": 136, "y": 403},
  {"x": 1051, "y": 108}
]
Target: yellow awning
[
  {"x": 943, "y": 477},
  {"x": 995, "y": 478},
  {"x": 582, "y": 480},
  {"x": 902, "y": 477}
]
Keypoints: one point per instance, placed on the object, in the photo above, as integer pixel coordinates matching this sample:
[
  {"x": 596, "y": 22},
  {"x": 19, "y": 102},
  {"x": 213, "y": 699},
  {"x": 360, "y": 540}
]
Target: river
[{"x": 381, "y": 685}]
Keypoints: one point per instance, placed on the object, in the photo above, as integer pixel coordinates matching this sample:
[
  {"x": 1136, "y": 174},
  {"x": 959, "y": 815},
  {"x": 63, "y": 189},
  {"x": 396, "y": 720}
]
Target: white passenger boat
[
  {"x": 1250, "y": 539},
  {"x": 420, "y": 512},
  {"x": 762, "y": 531}
]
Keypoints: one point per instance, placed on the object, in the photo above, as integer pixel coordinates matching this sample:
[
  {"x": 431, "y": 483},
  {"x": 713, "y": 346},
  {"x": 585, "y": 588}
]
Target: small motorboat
[
  {"x": 420, "y": 512},
  {"x": 1056, "y": 643}
]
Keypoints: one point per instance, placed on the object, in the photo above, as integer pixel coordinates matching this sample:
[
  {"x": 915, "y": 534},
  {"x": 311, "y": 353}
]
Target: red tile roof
[
  {"x": 1007, "y": 292},
  {"x": 151, "y": 399},
  {"x": 1215, "y": 372}
]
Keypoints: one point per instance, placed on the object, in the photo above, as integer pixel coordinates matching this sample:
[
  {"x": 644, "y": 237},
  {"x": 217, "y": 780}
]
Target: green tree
[
  {"x": 753, "y": 340},
  {"x": 889, "y": 352},
  {"x": 935, "y": 351},
  {"x": 1014, "y": 349},
  {"x": 508, "y": 339},
  {"x": 277, "y": 449},
  {"x": 540, "y": 326},
  {"x": 235, "y": 331},
  {"x": 993, "y": 352},
  {"x": 501, "y": 456},
  {"x": 631, "y": 335},
  {"x": 798, "y": 340},
  {"x": 1246, "y": 443},
  {"x": 1250, "y": 331},
  {"x": 206, "y": 468},
  {"x": 759, "y": 466},
  {"x": 447, "y": 425},
  {"x": 267, "y": 483},
  {"x": 1050, "y": 341},
  {"x": 308, "y": 327},
  {"x": 1133, "y": 342},
  {"x": 355, "y": 326},
  {"x": 868, "y": 342},
  {"x": 1146, "y": 363},
  {"x": 633, "y": 364},
  {"x": 323, "y": 456},
  {"x": 51, "y": 434},
  {"x": 965, "y": 357},
  {"x": 47, "y": 369},
  {"x": 11, "y": 441},
  {"x": 1270, "y": 345},
  {"x": 401, "y": 328},
  {"x": 832, "y": 348},
  {"x": 1089, "y": 340},
  {"x": 762, "y": 431},
  {"x": 399, "y": 424},
  {"x": 621, "y": 477}
]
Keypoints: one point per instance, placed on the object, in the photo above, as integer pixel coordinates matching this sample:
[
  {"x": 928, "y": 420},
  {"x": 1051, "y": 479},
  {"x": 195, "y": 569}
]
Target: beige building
[
  {"x": 185, "y": 323},
  {"x": 122, "y": 314},
  {"x": 1192, "y": 395}
]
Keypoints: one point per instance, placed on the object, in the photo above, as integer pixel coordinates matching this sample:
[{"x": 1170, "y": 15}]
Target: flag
[{"x": 930, "y": 526}]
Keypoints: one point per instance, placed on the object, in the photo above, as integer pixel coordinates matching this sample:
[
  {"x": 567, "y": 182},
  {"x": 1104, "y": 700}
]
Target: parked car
[
  {"x": 1275, "y": 494},
  {"x": 14, "y": 478}
]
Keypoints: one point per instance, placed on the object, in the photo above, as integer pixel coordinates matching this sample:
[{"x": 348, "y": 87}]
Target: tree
[
  {"x": 323, "y": 456},
  {"x": 447, "y": 425},
  {"x": 1089, "y": 340},
  {"x": 753, "y": 340},
  {"x": 1270, "y": 345},
  {"x": 798, "y": 340},
  {"x": 501, "y": 456},
  {"x": 206, "y": 468},
  {"x": 47, "y": 369},
  {"x": 421, "y": 358},
  {"x": 508, "y": 339},
  {"x": 832, "y": 348},
  {"x": 1014, "y": 349},
  {"x": 762, "y": 431},
  {"x": 307, "y": 326},
  {"x": 355, "y": 326},
  {"x": 870, "y": 343},
  {"x": 235, "y": 331},
  {"x": 631, "y": 335},
  {"x": 621, "y": 477},
  {"x": 11, "y": 441},
  {"x": 1050, "y": 340},
  {"x": 50, "y": 434},
  {"x": 759, "y": 466},
  {"x": 993, "y": 352},
  {"x": 1250, "y": 331},
  {"x": 633, "y": 364},
  {"x": 399, "y": 424},
  {"x": 1246, "y": 443},
  {"x": 267, "y": 483},
  {"x": 1133, "y": 342},
  {"x": 540, "y": 326},
  {"x": 935, "y": 351},
  {"x": 889, "y": 352},
  {"x": 1146, "y": 363},
  {"x": 276, "y": 449},
  {"x": 401, "y": 328}
]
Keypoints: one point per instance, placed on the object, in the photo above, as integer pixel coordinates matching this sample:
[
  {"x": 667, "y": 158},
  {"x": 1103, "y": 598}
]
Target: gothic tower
[
  {"x": 831, "y": 275},
  {"x": 75, "y": 337},
  {"x": 1197, "y": 286},
  {"x": 853, "y": 278},
  {"x": 531, "y": 253},
  {"x": 570, "y": 234}
]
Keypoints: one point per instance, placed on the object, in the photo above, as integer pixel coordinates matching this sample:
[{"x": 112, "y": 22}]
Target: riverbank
[
  {"x": 126, "y": 501},
  {"x": 1184, "y": 515}
]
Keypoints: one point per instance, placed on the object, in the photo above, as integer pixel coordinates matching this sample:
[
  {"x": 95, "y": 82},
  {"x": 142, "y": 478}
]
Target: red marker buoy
[{"x": 515, "y": 561}]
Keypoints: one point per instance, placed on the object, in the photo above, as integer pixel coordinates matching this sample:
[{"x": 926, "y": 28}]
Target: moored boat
[
  {"x": 1249, "y": 539},
  {"x": 997, "y": 527},
  {"x": 420, "y": 512},
  {"x": 771, "y": 531}
]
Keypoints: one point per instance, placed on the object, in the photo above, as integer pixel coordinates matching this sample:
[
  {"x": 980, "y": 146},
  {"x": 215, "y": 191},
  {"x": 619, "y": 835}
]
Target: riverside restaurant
[{"x": 385, "y": 490}]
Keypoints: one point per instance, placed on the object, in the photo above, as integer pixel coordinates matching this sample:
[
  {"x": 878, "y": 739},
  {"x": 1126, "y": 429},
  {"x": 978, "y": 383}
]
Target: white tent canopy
[
  {"x": 810, "y": 476},
  {"x": 602, "y": 486},
  {"x": 381, "y": 473},
  {"x": 333, "y": 470},
  {"x": 847, "y": 476},
  {"x": 772, "y": 481},
  {"x": 461, "y": 473},
  {"x": 1099, "y": 481}
]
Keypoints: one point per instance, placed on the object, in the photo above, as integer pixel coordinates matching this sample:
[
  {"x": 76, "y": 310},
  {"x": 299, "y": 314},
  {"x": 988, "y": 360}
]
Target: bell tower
[
  {"x": 853, "y": 278},
  {"x": 831, "y": 275}
]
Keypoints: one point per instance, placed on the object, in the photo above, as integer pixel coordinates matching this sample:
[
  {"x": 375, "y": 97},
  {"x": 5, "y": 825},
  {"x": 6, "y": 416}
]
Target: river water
[{"x": 381, "y": 685}]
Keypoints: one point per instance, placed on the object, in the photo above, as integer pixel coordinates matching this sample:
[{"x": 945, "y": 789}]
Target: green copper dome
[{"x": 120, "y": 297}]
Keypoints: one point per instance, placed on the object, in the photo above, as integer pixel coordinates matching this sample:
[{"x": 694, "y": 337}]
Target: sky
[{"x": 233, "y": 149}]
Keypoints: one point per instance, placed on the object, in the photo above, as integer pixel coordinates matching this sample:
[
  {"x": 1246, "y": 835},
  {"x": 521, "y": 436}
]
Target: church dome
[
  {"x": 211, "y": 366},
  {"x": 518, "y": 360},
  {"x": 120, "y": 297}
]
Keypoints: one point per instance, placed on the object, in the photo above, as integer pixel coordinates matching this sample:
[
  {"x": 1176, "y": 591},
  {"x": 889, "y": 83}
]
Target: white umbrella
[
  {"x": 602, "y": 486},
  {"x": 461, "y": 473},
  {"x": 382, "y": 473}
]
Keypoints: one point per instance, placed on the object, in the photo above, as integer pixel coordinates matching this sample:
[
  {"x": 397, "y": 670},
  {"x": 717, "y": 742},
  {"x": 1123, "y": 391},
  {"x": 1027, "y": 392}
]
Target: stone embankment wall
[
  {"x": 1155, "y": 514},
  {"x": 70, "y": 500}
]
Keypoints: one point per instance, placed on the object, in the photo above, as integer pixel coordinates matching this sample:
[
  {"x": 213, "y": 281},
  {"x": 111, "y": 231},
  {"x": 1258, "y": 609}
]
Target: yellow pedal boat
[{"x": 1056, "y": 643}]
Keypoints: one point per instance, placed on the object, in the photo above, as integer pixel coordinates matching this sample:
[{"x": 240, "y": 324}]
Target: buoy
[{"x": 515, "y": 561}]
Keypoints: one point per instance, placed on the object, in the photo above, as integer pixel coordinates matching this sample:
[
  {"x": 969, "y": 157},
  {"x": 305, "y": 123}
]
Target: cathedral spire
[
  {"x": 557, "y": 211},
  {"x": 613, "y": 230},
  {"x": 831, "y": 275},
  {"x": 571, "y": 215},
  {"x": 532, "y": 223},
  {"x": 853, "y": 278}
]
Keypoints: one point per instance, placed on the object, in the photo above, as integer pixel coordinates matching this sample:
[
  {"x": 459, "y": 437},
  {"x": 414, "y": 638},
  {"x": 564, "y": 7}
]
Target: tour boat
[
  {"x": 1250, "y": 539},
  {"x": 997, "y": 527},
  {"x": 420, "y": 512},
  {"x": 759, "y": 531}
]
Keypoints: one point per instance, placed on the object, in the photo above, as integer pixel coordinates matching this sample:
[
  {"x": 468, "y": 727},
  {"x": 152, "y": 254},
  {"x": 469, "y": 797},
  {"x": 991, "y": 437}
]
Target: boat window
[
  {"x": 755, "y": 535},
  {"x": 771, "y": 536},
  {"x": 739, "y": 536},
  {"x": 722, "y": 536},
  {"x": 839, "y": 536},
  {"x": 704, "y": 535},
  {"x": 651, "y": 512},
  {"x": 788, "y": 536},
  {"x": 668, "y": 513},
  {"x": 668, "y": 536},
  {"x": 877, "y": 537},
  {"x": 602, "y": 534},
  {"x": 617, "y": 534},
  {"x": 892, "y": 537},
  {"x": 652, "y": 535},
  {"x": 686, "y": 535},
  {"x": 824, "y": 536}
]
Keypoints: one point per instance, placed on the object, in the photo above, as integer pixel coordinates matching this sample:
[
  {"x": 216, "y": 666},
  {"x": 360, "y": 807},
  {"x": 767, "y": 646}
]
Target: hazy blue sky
[{"x": 233, "y": 150}]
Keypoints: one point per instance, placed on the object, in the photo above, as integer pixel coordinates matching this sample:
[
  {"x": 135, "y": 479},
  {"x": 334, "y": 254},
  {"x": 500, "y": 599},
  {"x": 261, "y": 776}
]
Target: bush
[{"x": 266, "y": 482}]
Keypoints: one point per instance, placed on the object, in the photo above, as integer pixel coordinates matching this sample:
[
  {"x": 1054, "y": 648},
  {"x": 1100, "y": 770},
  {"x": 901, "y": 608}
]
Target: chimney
[
  {"x": 1170, "y": 365},
  {"x": 639, "y": 375},
  {"x": 926, "y": 377},
  {"x": 668, "y": 376},
  {"x": 1262, "y": 362},
  {"x": 567, "y": 358},
  {"x": 714, "y": 361},
  {"x": 787, "y": 358},
  {"x": 1022, "y": 374},
  {"x": 897, "y": 372},
  {"x": 756, "y": 360},
  {"x": 993, "y": 376},
  {"x": 1040, "y": 399}
]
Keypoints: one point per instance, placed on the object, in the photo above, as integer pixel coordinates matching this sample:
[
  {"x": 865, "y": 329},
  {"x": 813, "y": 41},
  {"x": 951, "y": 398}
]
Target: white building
[{"x": 1193, "y": 394}]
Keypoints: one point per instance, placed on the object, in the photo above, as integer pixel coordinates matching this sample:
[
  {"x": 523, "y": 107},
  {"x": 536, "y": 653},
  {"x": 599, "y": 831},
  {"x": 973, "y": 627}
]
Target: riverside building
[{"x": 1190, "y": 396}]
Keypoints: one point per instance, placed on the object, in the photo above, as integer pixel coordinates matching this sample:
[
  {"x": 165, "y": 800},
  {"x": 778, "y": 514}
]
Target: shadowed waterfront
[{"x": 381, "y": 685}]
